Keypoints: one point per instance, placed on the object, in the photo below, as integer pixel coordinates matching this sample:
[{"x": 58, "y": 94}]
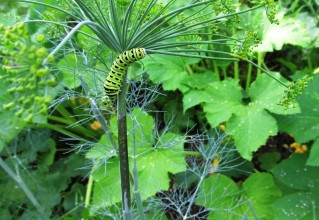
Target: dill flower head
[{"x": 23, "y": 73}]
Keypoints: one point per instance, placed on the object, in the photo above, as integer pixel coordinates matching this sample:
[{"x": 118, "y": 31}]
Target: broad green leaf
[
  {"x": 313, "y": 159},
  {"x": 261, "y": 191},
  {"x": 84, "y": 40},
  {"x": 154, "y": 166},
  {"x": 73, "y": 199},
  {"x": 70, "y": 67},
  {"x": 294, "y": 173},
  {"x": 101, "y": 150},
  {"x": 291, "y": 30},
  {"x": 223, "y": 98},
  {"x": 217, "y": 192},
  {"x": 107, "y": 184},
  {"x": 250, "y": 127},
  {"x": 156, "y": 214},
  {"x": 269, "y": 160},
  {"x": 267, "y": 92},
  {"x": 154, "y": 159},
  {"x": 305, "y": 125},
  {"x": 197, "y": 83},
  {"x": 169, "y": 70},
  {"x": 301, "y": 205},
  {"x": 139, "y": 125},
  {"x": 47, "y": 159},
  {"x": 258, "y": 193},
  {"x": 200, "y": 80},
  {"x": 10, "y": 126},
  {"x": 192, "y": 98}
]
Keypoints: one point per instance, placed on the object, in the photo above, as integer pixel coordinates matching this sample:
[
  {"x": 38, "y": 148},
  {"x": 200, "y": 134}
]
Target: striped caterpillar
[{"x": 114, "y": 79}]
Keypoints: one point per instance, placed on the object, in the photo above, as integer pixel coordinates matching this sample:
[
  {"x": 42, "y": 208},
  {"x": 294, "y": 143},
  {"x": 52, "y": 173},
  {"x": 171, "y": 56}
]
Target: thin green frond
[{"x": 167, "y": 52}]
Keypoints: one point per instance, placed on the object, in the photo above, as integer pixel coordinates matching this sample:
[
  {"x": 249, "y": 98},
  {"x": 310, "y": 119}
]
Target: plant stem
[
  {"x": 66, "y": 38},
  {"x": 236, "y": 70},
  {"x": 137, "y": 194},
  {"x": 78, "y": 128},
  {"x": 89, "y": 189},
  {"x": 260, "y": 68},
  {"x": 259, "y": 61},
  {"x": 56, "y": 128},
  {"x": 248, "y": 79},
  {"x": 123, "y": 152},
  {"x": 216, "y": 70},
  {"x": 22, "y": 185}
]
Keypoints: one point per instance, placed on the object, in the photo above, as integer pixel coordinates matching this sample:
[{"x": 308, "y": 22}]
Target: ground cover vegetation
[{"x": 159, "y": 109}]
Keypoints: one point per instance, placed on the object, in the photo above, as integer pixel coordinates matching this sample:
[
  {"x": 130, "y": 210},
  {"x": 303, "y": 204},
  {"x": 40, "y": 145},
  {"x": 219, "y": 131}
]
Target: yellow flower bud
[{"x": 96, "y": 125}]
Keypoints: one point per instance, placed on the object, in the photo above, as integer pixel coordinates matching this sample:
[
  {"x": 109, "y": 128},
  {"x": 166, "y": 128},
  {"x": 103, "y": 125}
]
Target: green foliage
[
  {"x": 154, "y": 158},
  {"x": 297, "y": 30},
  {"x": 227, "y": 201},
  {"x": 6, "y": 5},
  {"x": 269, "y": 160},
  {"x": 301, "y": 203},
  {"x": 225, "y": 103},
  {"x": 295, "y": 89},
  {"x": 304, "y": 125},
  {"x": 25, "y": 76},
  {"x": 70, "y": 67},
  {"x": 47, "y": 180},
  {"x": 191, "y": 176},
  {"x": 168, "y": 70}
]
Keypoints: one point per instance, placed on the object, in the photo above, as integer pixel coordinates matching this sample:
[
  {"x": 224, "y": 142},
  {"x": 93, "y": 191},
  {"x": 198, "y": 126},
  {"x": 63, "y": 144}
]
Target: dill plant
[{"x": 185, "y": 29}]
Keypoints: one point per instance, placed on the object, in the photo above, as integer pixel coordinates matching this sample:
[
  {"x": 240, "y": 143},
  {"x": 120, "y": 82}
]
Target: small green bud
[
  {"x": 43, "y": 110},
  {"x": 31, "y": 80},
  {"x": 32, "y": 48},
  {"x": 20, "y": 112},
  {"x": 31, "y": 56},
  {"x": 47, "y": 99},
  {"x": 21, "y": 100},
  {"x": 50, "y": 58},
  {"x": 38, "y": 99},
  {"x": 6, "y": 68},
  {"x": 38, "y": 61},
  {"x": 51, "y": 82},
  {"x": 27, "y": 101},
  {"x": 42, "y": 72},
  {"x": 30, "y": 86},
  {"x": 20, "y": 88},
  {"x": 28, "y": 118},
  {"x": 8, "y": 106},
  {"x": 40, "y": 38},
  {"x": 7, "y": 33},
  {"x": 42, "y": 52},
  {"x": 42, "y": 83},
  {"x": 11, "y": 90},
  {"x": 33, "y": 69},
  {"x": 20, "y": 25}
]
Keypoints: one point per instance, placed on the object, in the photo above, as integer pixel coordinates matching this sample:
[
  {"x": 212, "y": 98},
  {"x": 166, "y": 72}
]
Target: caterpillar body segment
[{"x": 114, "y": 79}]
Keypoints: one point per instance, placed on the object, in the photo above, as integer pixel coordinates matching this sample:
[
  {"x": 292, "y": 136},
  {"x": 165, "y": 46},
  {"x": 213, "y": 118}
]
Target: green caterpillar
[{"x": 114, "y": 79}]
